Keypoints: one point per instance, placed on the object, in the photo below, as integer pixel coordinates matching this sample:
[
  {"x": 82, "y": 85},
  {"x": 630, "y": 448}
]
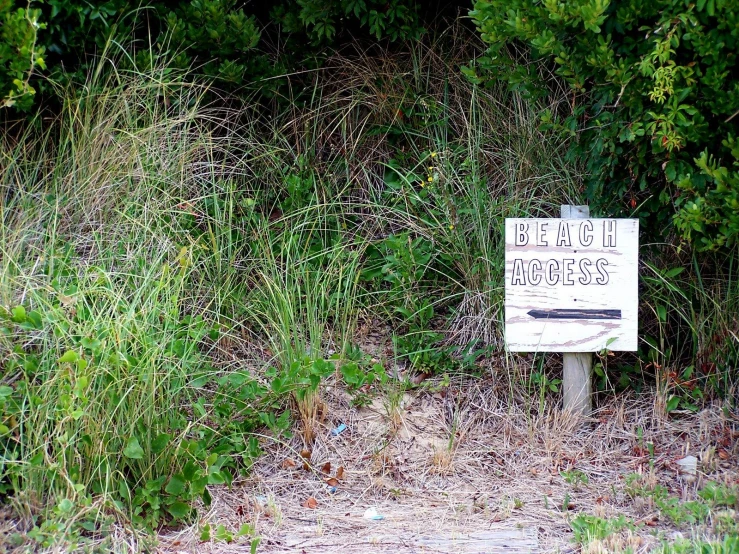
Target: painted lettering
[
  {"x": 563, "y": 234},
  {"x": 609, "y": 233},
  {"x": 519, "y": 276},
  {"x": 586, "y": 233},
  {"x": 600, "y": 266},
  {"x": 552, "y": 273},
  {"x": 522, "y": 234},
  {"x": 534, "y": 272},
  {"x": 567, "y": 271},
  {"x": 541, "y": 234},
  {"x": 586, "y": 277}
]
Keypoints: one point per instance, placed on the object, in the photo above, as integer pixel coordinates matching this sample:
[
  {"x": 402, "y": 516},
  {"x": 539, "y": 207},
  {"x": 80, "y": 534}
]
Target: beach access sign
[{"x": 571, "y": 285}]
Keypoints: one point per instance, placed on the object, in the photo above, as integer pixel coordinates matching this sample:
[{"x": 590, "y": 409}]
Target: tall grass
[
  {"x": 689, "y": 325},
  {"x": 173, "y": 273},
  {"x": 111, "y": 282},
  {"x": 378, "y": 128},
  {"x": 146, "y": 234}
]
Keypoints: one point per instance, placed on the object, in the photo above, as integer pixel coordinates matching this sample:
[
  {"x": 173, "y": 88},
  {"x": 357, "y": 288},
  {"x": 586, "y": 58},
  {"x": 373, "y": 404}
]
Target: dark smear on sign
[{"x": 559, "y": 313}]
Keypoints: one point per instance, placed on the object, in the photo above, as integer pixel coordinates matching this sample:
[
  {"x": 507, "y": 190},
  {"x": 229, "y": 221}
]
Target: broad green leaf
[
  {"x": 124, "y": 491},
  {"x": 176, "y": 485},
  {"x": 201, "y": 381},
  {"x": 215, "y": 478},
  {"x": 90, "y": 526},
  {"x": 178, "y": 509},
  {"x": 160, "y": 442},
  {"x": 69, "y": 357},
  {"x": 674, "y": 272},
  {"x": 133, "y": 449},
  {"x": 661, "y": 312},
  {"x": 90, "y": 343},
  {"x": 222, "y": 534},
  {"x": 672, "y": 404},
  {"x": 190, "y": 471},
  {"x": 237, "y": 378},
  {"x": 65, "y": 505},
  {"x": 245, "y": 530},
  {"x": 205, "y": 533},
  {"x": 34, "y": 318},
  {"x": 18, "y": 314}
]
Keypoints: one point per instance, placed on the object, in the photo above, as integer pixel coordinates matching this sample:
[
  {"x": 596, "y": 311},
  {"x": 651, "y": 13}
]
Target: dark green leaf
[{"x": 179, "y": 510}]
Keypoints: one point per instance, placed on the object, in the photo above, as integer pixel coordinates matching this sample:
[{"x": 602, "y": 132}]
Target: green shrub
[
  {"x": 20, "y": 53},
  {"x": 322, "y": 20},
  {"x": 218, "y": 37},
  {"x": 652, "y": 102},
  {"x": 216, "y": 33}
]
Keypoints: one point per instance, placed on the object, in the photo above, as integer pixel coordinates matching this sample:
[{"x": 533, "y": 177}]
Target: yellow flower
[
  {"x": 451, "y": 227},
  {"x": 433, "y": 154},
  {"x": 430, "y": 178}
]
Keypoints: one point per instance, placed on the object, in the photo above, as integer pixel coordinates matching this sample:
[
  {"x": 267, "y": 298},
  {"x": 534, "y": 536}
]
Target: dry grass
[
  {"x": 465, "y": 458},
  {"x": 310, "y": 409}
]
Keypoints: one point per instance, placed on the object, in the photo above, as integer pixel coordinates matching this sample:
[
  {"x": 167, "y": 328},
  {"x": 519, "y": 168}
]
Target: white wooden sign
[{"x": 571, "y": 285}]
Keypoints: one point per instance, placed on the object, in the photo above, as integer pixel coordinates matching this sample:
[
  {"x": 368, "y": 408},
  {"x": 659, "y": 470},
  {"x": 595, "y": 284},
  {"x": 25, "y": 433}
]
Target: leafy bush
[
  {"x": 216, "y": 33},
  {"x": 652, "y": 103},
  {"x": 219, "y": 37},
  {"x": 216, "y": 36},
  {"x": 322, "y": 20},
  {"x": 20, "y": 53}
]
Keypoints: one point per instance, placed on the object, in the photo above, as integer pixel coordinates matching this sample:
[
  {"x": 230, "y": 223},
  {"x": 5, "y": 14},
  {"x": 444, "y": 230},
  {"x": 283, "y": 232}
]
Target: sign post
[
  {"x": 571, "y": 287},
  {"x": 577, "y": 367}
]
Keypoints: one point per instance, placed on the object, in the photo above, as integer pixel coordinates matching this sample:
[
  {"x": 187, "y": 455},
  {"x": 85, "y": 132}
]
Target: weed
[
  {"x": 115, "y": 286},
  {"x": 360, "y": 372},
  {"x": 442, "y": 459},
  {"x": 587, "y": 528},
  {"x": 719, "y": 495},
  {"x": 729, "y": 544},
  {"x": 574, "y": 477},
  {"x": 393, "y": 396},
  {"x": 681, "y": 513}
]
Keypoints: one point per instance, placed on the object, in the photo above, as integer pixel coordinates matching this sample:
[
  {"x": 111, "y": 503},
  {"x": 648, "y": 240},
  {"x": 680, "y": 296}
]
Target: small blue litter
[
  {"x": 340, "y": 429},
  {"x": 371, "y": 513}
]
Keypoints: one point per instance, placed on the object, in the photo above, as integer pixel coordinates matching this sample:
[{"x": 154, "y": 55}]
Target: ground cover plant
[
  {"x": 197, "y": 290},
  {"x": 112, "y": 313},
  {"x": 653, "y": 100}
]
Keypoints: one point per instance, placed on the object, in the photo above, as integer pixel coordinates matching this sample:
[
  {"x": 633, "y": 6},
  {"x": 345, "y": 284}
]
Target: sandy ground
[{"x": 469, "y": 457}]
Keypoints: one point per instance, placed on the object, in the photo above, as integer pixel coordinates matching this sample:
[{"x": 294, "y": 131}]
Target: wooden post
[{"x": 578, "y": 366}]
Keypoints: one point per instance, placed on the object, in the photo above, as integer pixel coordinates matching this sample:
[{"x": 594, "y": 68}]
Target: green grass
[
  {"x": 707, "y": 524},
  {"x": 176, "y": 275},
  {"x": 116, "y": 292}
]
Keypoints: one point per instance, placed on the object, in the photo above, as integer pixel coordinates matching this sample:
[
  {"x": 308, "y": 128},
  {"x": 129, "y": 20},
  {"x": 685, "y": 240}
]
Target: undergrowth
[{"x": 178, "y": 277}]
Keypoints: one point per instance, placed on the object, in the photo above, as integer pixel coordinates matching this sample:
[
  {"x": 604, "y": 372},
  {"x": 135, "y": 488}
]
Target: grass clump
[
  {"x": 178, "y": 279},
  {"x": 115, "y": 294},
  {"x": 176, "y": 275}
]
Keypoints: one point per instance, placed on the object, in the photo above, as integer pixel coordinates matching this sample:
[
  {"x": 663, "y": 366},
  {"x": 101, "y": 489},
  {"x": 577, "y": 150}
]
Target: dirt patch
[{"x": 465, "y": 457}]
